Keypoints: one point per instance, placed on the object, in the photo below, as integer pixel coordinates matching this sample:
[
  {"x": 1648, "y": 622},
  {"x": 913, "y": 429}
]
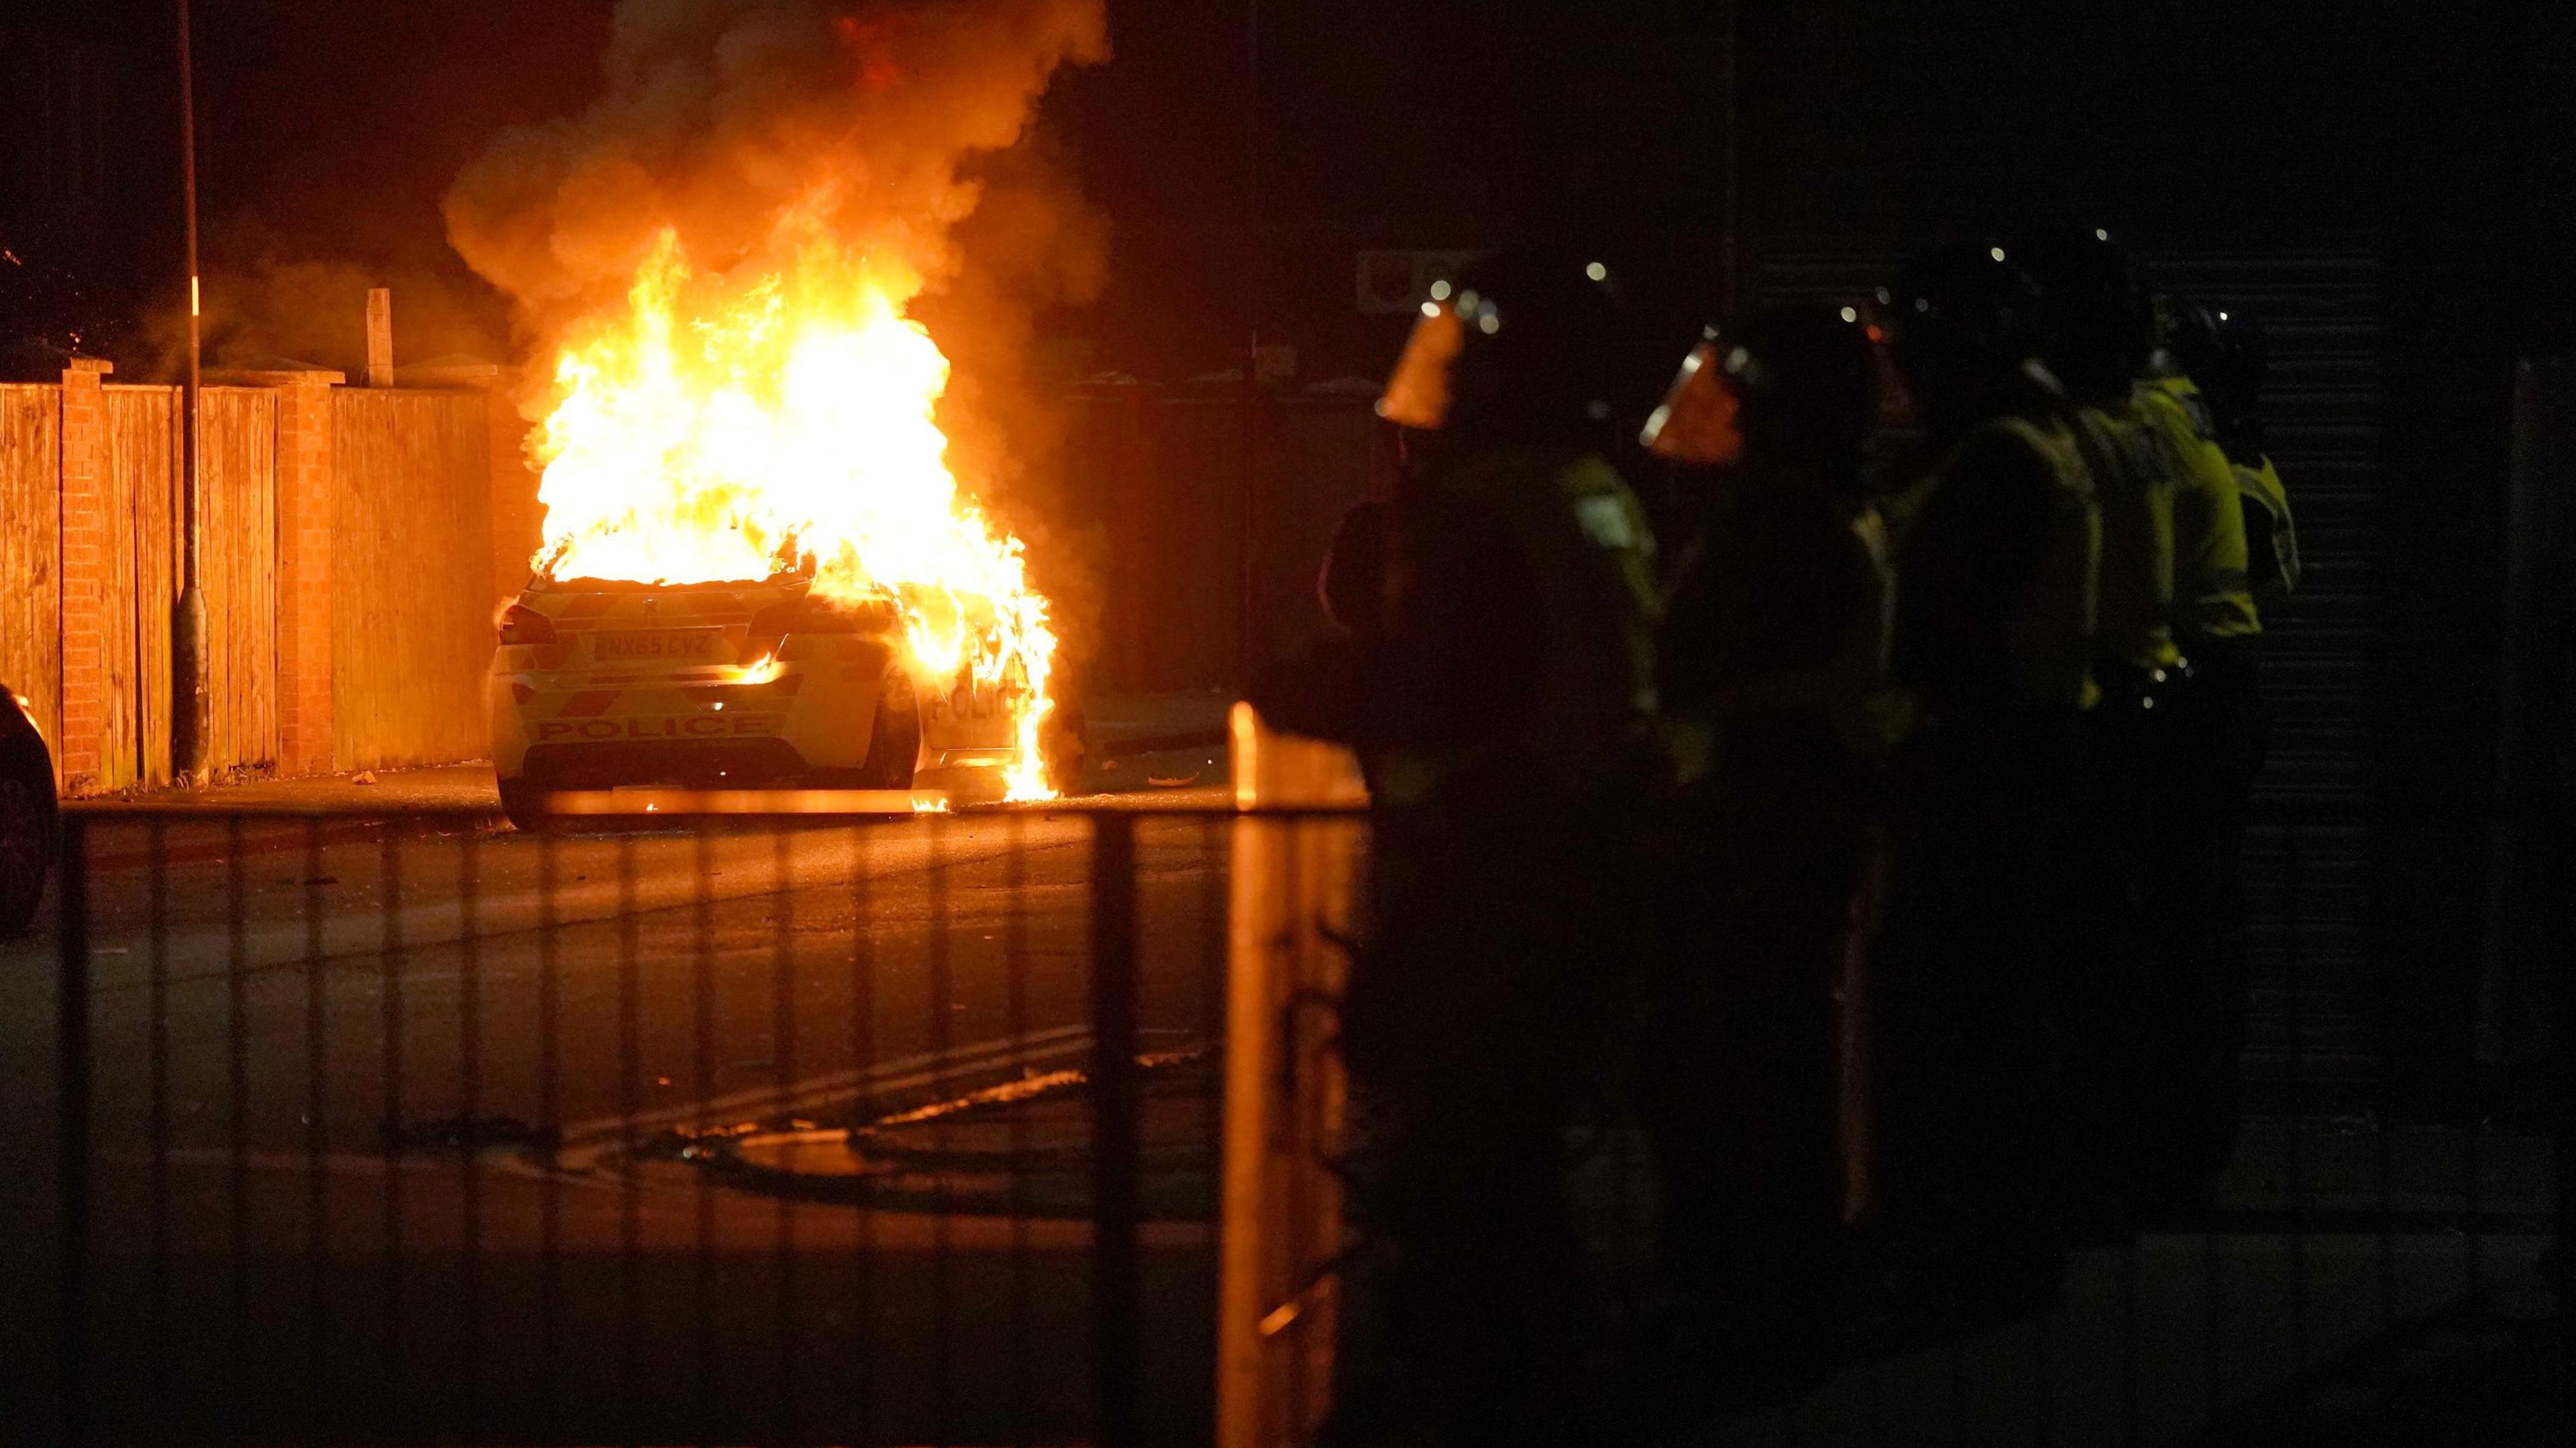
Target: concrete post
[{"x": 380, "y": 337}]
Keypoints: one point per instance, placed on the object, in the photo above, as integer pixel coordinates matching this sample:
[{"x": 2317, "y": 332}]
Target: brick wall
[
  {"x": 304, "y": 571},
  {"x": 87, "y": 535}
]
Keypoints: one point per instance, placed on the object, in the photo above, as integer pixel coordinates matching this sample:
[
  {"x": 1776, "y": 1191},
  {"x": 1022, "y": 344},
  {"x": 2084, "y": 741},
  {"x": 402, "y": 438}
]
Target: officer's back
[
  {"x": 1515, "y": 684},
  {"x": 1521, "y": 601},
  {"x": 1993, "y": 640}
]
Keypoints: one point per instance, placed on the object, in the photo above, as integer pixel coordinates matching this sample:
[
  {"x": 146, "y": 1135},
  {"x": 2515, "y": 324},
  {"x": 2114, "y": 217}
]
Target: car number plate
[{"x": 696, "y": 643}]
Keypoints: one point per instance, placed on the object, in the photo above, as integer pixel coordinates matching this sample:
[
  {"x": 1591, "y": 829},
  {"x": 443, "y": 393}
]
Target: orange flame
[{"x": 741, "y": 426}]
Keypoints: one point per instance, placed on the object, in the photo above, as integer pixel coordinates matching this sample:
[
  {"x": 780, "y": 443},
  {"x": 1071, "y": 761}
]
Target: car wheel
[
  {"x": 26, "y": 848},
  {"x": 894, "y": 742},
  {"x": 524, "y": 801}
]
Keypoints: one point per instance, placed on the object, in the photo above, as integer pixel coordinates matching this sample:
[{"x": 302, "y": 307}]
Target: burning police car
[{"x": 599, "y": 684}]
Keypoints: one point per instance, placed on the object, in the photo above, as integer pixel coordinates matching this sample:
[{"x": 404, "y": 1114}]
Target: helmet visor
[
  {"x": 1417, "y": 395},
  {"x": 1696, "y": 422}
]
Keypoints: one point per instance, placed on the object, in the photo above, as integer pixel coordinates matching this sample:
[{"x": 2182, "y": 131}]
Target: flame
[{"x": 778, "y": 419}]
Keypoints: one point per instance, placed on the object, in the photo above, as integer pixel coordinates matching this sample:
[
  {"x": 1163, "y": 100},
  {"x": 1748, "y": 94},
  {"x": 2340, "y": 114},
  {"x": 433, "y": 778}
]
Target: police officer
[
  {"x": 2206, "y": 383},
  {"x": 2139, "y": 1135},
  {"x": 1999, "y": 538},
  {"x": 2213, "y": 364},
  {"x": 1517, "y": 688},
  {"x": 1772, "y": 664}
]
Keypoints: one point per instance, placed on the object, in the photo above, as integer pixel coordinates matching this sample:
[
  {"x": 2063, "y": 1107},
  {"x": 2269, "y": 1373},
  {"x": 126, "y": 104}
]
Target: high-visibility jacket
[
  {"x": 2271, "y": 540},
  {"x": 2213, "y": 597},
  {"x": 1946, "y": 538},
  {"x": 2135, "y": 469},
  {"x": 1781, "y": 608},
  {"x": 1578, "y": 630}
]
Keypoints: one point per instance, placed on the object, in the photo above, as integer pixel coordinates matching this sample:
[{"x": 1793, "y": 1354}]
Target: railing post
[
  {"x": 1116, "y": 1148},
  {"x": 73, "y": 1100},
  {"x": 1289, "y": 911}
]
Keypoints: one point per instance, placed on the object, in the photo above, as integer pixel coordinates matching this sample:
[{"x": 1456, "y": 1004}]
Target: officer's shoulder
[{"x": 2177, "y": 403}]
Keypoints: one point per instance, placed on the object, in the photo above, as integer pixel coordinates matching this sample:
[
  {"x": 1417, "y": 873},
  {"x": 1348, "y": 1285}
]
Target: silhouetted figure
[
  {"x": 1986, "y": 916},
  {"x": 1323, "y": 688},
  {"x": 2169, "y": 737},
  {"x": 1772, "y": 666},
  {"x": 2209, "y": 377},
  {"x": 1516, "y": 684}
]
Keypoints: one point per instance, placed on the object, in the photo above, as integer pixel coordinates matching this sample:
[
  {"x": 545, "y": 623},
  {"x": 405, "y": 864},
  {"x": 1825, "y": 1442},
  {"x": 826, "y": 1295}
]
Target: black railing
[
  {"x": 786, "y": 1131},
  {"x": 908, "y": 1131}
]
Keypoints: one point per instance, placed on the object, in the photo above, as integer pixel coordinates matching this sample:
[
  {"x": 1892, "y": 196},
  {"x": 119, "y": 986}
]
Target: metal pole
[
  {"x": 73, "y": 1103},
  {"x": 1730, "y": 282},
  {"x": 1117, "y": 1151},
  {"x": 1247, "y": 624},
  {"x": 188, "y": 726}
]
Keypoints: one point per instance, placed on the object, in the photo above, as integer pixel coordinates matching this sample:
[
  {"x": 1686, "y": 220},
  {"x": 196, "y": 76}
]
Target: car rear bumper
[{"x": 697, "y": 764}]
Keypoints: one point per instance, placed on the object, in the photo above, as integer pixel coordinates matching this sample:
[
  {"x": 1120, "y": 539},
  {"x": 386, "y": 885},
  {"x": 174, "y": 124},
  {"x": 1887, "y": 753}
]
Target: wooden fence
[
  {"x": 237, "y": 443},
  {"x": 140, "y": 586},
  {"x": 31, "y": 640},
  {"x": 411, "y": 539}
]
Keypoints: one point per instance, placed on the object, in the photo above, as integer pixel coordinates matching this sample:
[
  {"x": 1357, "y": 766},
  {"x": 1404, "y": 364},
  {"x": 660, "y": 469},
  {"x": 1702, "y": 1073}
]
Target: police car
[{"x": 599, "y": 684}]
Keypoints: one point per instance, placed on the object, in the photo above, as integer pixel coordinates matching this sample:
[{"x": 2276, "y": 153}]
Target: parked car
[{"x": 28, "y": 815}]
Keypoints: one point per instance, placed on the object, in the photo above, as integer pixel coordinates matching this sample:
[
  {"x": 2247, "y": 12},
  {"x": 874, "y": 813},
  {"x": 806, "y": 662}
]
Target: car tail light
[{"x": 521, "y": 624}]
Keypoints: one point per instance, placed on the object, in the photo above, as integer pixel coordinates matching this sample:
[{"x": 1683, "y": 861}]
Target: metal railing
[
  {"x": 899, "y": 1130},
  {"x": 1014, "y": 1126}
]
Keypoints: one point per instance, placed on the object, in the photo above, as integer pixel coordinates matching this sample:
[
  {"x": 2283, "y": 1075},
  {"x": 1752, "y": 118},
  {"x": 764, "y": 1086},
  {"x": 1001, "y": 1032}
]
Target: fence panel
[
  {"x": 411, "y": 616},
  {"x": 237, "y": 455},
  {"x": 140, "y": 583},
  {"x": 31, "y": 658}
]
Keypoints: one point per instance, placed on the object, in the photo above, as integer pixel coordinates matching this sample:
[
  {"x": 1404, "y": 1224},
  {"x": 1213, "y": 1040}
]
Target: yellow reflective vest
[
  {"x": 2273, "y": 571},
  {"x": 2213, "y": 597},
  {"x": 2060, "y": 616},
  {"x": 2052, "y": 624},
  {"x": 2135, "y": 469}
]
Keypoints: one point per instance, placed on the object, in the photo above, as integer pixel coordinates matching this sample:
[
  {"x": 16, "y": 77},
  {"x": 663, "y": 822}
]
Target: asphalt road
[{"x": 277, "y": 1005}]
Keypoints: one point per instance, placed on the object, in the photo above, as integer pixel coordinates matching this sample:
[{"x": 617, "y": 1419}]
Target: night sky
[{"x": 329, "y": 132}]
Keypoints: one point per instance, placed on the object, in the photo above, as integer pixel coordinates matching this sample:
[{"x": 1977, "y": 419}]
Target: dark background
[{"x": 2424, "y": 149}]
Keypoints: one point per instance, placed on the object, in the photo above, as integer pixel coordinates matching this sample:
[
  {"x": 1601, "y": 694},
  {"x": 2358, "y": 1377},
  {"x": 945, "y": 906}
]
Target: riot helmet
[
  {"x": 2222, "y": 351},
  {"x": 1791, "y": 384},
  {"x": 2096, "y": 316},
  {"x": 1695, "y": 424},
  {"x": 1521, "y": 346},
  {"x": 1963, "y": 324}
]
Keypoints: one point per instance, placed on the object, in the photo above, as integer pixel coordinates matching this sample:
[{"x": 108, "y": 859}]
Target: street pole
[
  {"x": 188, "y": 726},
  {"x": 1248, "y": 632},
  {"x": 1730, "y": 257}
]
